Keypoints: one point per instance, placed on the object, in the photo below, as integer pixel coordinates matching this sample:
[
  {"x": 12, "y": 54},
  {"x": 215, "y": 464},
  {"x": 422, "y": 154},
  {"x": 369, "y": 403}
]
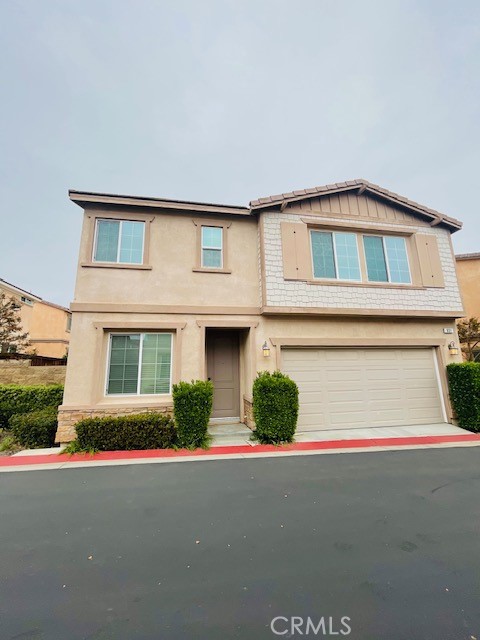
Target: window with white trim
[
  {"x": 335, "y": 255},
  {"x": 386, "y": 259},
  {"x": 212, "y": 247},
  {"x": 139, "y": 364},
  {"x": 119, "y": 241}
]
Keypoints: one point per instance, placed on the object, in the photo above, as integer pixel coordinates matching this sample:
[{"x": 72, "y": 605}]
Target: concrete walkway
[{"x": 239, "y": 434}]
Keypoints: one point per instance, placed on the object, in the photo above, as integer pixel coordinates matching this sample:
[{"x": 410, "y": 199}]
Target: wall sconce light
[
  {"x": 453, "y": 349},
  {"x": 265, "y": 349}
]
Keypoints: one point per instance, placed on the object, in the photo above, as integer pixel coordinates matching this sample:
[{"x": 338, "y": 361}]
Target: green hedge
[
  {"x": 192, "y": 406},
  {"x": 464, "y": 383},
  {"x": 15, "y": 399},
  {"x": 275, "y": 407},
  {"x": 125, "y": 433},
  {"x": 35, "y": 429}
]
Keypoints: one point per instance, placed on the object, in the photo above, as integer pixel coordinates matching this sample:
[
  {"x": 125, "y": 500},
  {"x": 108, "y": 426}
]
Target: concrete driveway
[{"x": 218, "y": 549}]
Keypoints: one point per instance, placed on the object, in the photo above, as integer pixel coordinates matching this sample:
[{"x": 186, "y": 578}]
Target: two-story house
[{"x": 348, "y": 288}]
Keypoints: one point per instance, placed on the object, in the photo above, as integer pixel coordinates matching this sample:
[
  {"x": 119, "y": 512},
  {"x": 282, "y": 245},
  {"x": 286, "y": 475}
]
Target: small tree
[
  {"x": 469, "y": 336},
  {"x": 12, "y": 336}
]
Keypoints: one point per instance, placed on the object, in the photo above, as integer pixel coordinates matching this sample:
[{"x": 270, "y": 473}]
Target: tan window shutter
[
  {"x": 429, "y": 258},
  {"x": 296, "y": 251}
]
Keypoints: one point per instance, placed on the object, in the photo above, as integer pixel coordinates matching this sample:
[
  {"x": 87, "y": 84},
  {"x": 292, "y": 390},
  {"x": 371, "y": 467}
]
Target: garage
[{"x": 365, "y": 387}]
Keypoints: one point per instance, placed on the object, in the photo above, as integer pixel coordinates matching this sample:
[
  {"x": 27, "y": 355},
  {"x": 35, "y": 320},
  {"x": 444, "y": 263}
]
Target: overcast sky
[{"x": 225, "y": 101}]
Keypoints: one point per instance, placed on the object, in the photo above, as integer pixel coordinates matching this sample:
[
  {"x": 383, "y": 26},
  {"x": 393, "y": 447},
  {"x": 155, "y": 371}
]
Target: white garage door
[{"x": 348, "y": 388}]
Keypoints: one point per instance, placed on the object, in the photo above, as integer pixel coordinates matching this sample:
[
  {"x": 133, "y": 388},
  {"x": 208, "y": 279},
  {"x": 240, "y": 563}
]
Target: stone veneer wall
[
  {"x": 21, "y": 372},
  {"x": 248, "y": 413},
  {"x": 285, "y": 293},
  {"x": 68, "y": 418}
]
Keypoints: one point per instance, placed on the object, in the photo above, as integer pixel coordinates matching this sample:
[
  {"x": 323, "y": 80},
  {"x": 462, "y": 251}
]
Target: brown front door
[{"x": 223, "y": 371}]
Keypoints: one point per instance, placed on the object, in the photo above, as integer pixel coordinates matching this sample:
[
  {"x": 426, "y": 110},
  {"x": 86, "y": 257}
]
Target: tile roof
[
  {"x": 33, "y": 295},
  {"x": 468, "y": 256},
  {"x": 348, "y": 185}
]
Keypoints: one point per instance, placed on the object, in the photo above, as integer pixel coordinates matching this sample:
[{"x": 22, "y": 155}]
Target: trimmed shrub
[
  {"x": 36, "y": 429},
  {"x": 15, "y": 399},
  {"x": 125, "y": 433},
  {"x": 464, "y": 384},
  {"x": 192, "y": 407},
  {"x": 275, "y": 407}
]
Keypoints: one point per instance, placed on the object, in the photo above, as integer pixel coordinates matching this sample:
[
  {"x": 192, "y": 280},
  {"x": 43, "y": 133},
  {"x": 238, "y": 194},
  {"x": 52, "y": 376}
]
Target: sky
[{"x": 227, "y": 101}]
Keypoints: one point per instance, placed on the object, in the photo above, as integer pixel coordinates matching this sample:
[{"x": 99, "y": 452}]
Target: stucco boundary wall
[{"x": 21, "y": 372}]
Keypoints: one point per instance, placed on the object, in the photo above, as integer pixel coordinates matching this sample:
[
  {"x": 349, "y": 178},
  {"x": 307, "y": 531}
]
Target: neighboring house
[
  {"x": 468, "y": 270},
  {"x": 348, "y": 288},
  {"x": 47, "y": 324}
]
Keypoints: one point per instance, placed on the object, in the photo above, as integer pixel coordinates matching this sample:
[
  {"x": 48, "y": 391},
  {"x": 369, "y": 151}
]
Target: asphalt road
[{"x": 218, "y": 549}]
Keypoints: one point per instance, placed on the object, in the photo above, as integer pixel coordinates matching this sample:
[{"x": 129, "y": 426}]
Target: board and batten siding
[{"x": 440, "y": 292}]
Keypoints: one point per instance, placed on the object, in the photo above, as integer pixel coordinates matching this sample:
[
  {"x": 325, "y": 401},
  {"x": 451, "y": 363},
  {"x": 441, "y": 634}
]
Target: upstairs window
[
  {"x": 212, "y": 247},
  {"x": 26, "y": 300},
  {"x": 335, "y": 256},
  {"x": 386, "y": 259},
  {"x": 140, "y": 364},
  {"x": 119, "y": 241}
]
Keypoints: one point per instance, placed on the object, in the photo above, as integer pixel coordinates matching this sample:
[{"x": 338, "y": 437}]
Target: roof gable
[
  {"x": 352, "y": 206},
  {"x": 359, "y": 187}
]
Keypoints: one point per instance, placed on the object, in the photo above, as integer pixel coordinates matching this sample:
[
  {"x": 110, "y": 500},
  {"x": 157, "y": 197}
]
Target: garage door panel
[
  {"x": 340, "y": 375},
  {"x": 387, "y": 393},
  {"x": 423, "y": 393},
  {"x": 348, "y": 388},
  {"x": 374, "y": 375},
  {"x": 349, "y": 418},
  {"x": 338, "y": 396}
]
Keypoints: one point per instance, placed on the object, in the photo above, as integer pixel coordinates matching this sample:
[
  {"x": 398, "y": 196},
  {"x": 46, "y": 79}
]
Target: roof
[
  {"x": 32, "y": 295},
  {"x": 468, "y": 256},
  {"x": 90, "y": 197},
  {"x": 362, "y": 186},
  {"x": 83, "y": 198}
]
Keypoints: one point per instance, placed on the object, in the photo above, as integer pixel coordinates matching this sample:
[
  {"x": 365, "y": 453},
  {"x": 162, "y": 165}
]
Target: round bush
[
  {"x": 275, "y": 407},
  {"x": 36, "y": 429}
]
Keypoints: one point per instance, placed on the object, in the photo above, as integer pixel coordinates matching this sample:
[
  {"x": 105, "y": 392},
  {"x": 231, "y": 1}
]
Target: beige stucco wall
[
  {"x": 172, "y": 255},
  {"x": 469, "y": 280},
  {"x": 48, "y": 330},
  {"x": 86, "y": 370}
]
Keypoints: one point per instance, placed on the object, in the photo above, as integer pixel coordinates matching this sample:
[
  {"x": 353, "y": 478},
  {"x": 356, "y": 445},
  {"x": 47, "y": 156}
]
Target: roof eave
[{"x": 86, "y": 198}]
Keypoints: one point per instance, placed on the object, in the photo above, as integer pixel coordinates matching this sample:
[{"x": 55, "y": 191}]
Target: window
[
  {"x": 140, "y": 364},
  {"x": 26, "y": 300},
  {"x": 69, "y": 322},
  {"x": 119, "y": 241},
  {"x": 335, "y": 255},
  {"x": 386, "y": 258},
  {"x": 212, "y": 247}
]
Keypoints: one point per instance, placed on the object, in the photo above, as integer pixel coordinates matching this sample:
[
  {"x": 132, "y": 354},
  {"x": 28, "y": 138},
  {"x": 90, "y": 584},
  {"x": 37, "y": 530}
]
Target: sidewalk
[{"x": 238, "y": 446}]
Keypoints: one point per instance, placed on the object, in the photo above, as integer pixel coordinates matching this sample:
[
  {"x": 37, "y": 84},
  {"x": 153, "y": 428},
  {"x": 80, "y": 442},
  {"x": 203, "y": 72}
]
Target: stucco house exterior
[
  {"x": 348, "y": 288},
  {"x": 468, "y": 269},
  {"x": 47, "y": 324}
]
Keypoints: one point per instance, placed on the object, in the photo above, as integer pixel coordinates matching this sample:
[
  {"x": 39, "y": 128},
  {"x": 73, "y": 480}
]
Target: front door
[{"x": 223, "y": 370}]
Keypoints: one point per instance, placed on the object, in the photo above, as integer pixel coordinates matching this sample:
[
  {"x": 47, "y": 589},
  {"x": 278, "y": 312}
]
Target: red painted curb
[{"x": 55, "y": 458}]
